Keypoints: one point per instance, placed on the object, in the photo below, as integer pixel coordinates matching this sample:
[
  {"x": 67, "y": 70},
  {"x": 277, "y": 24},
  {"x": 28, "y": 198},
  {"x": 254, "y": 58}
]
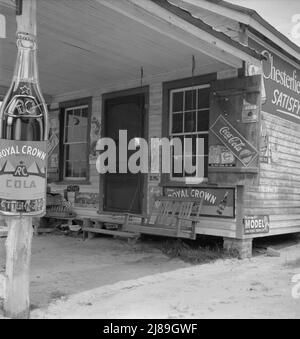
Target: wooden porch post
[{"x": 18, "y": 244}]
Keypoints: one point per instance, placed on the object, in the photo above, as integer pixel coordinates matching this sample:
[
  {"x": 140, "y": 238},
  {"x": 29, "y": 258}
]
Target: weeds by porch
[{"x": 195, "y": 252}]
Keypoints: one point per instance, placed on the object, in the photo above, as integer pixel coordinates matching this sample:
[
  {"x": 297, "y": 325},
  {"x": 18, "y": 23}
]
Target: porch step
[
  {"x": 165, "y": 232},
  {"x": 108, "y": 232}
]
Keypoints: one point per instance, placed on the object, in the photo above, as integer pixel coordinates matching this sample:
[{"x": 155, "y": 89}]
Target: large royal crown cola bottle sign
[{"x": 23, "y": 135}]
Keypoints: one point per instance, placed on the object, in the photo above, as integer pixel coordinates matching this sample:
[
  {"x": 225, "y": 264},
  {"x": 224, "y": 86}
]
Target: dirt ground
[{"x": 107, "y": 278}]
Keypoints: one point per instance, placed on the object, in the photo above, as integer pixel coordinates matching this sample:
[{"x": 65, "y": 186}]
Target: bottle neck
[{"x": 26, "y": 69}]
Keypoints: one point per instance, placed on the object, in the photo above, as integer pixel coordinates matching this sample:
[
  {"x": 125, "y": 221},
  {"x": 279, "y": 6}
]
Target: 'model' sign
[{"x": 22, "y": 177}]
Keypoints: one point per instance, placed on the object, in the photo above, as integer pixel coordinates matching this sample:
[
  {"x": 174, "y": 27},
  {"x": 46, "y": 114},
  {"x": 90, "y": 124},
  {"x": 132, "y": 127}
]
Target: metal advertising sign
[
  {"x": 22, "y": 177},
  {"x": 220, "y": 156},
  {"x": 234, "y": 141},
  {"x": 218, "y": 202},
  {"x": 282, "y": 84},
  {"x": 257, "y": 224}
]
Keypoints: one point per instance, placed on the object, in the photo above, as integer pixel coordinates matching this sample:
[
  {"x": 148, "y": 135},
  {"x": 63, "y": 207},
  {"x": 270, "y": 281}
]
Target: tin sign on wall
[
  {"x": 234, "y": 141},
  {"x": 257, "y": 224},
  {"x": 22, "y": 177},
  {"x": 218, "y": 202}
]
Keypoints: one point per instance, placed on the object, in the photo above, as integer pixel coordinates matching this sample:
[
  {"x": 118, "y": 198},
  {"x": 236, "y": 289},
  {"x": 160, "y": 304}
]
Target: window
[
  {"x": 75, "y": 143},
  {"x": 189, "y": 118}
]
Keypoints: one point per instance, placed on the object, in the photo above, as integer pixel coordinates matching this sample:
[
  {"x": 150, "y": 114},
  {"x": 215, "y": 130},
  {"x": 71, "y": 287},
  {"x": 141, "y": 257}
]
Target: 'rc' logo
[{"x": 21, "y": 171}]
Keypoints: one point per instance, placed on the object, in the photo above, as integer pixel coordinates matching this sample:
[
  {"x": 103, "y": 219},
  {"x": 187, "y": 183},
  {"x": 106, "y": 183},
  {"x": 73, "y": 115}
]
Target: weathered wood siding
[{"x": 278, "y": 192}]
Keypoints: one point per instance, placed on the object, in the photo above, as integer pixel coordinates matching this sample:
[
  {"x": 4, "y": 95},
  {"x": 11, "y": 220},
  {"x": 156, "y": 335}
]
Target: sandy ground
[
  {"x": 106, "y": 278},
  {"x": 62, "y": 266}
]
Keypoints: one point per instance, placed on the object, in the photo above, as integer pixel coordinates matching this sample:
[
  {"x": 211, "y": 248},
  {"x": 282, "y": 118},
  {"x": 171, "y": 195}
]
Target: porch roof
[
  {"x": 224, "y": 15},
  {"x": 94, "y": 43}
]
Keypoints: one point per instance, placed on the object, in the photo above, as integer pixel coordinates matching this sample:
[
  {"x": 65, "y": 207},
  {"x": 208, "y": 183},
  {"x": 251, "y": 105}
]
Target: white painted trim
[
  {"x": 2, "y": 26},
  {"x": 245, "y": 19},
  {"x": 158, "y": 19}
]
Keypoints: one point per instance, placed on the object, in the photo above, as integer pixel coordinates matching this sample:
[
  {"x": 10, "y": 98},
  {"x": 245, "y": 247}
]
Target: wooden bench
[{"x": 171, "y": 217}]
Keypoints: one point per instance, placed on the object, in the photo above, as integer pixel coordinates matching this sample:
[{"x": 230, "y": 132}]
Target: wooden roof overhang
[
  {"x": 229, "y": 14},
  {"x": 96, "y": 43}
]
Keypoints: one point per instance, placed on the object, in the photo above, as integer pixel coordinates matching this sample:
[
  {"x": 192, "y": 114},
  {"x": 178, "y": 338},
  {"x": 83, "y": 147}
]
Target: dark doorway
[{"x": 124, "y": 192}]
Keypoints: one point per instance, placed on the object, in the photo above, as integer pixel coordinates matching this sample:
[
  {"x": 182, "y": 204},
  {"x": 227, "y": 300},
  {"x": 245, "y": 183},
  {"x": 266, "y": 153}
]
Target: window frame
[
  {"x": 64, "y": 107},
  {"x": 206, "y": 80},
  {"x": 183, "y": 134}
]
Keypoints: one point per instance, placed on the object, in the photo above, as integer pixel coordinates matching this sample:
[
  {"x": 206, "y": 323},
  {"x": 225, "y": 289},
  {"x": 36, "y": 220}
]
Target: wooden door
[{"x": 124, "y": 192}]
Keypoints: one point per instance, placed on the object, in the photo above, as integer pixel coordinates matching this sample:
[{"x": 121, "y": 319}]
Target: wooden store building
[{"x": 164, "y": 69}]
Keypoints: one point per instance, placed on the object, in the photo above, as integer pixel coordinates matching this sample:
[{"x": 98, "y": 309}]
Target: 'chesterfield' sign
[
  {"x": 234, "y": 141},
  {"x": 282, "y": 84}
]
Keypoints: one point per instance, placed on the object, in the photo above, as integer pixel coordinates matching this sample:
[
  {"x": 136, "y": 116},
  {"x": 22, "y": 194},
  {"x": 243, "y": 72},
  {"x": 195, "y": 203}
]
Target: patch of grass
[{"x": 194, "y": 254}]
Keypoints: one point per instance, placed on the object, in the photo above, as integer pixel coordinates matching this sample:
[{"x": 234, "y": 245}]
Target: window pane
[
  {"x": 190, "y": 122},
  {"x": 79, "y": 134},
  {"x": 178, "y": 102},
  {"x": 67, "y": 152},
  {"x": 76, "y": 121},
  {"x": 68, "y": 169},
  {"x": 83, "y": 170},
  {"x": 190, "y": 100},
  {"x": 69, "y": 118},
  {"x": 203, "y": 121},
  {"x": 177, "y": 123},
  {"x": 85, "y": 112},
  {"x": 203, "y": 98},
  {"x": 77, "y": 112},
  {"x": 68, "y": 134},
  {"x": 77, "y": 169},
  {"x": 84, "y": 121},
  {"x": 76, "y": 152}
]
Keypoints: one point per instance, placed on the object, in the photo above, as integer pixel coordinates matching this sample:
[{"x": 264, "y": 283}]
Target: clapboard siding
[
  {"x": 278, "y": 193},
  {"x": 217, "y": 227}
]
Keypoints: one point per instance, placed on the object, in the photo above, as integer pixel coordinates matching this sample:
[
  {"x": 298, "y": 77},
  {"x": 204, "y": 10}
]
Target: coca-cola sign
[{"x": 234, "y": 141}]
